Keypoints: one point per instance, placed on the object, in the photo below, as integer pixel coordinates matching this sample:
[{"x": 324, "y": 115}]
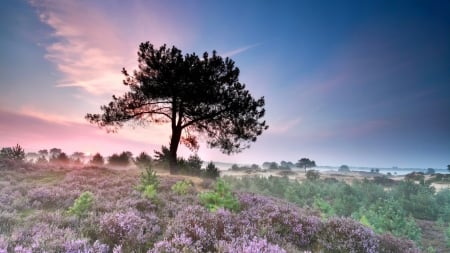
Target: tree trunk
[{"x": 174, "y": 142}]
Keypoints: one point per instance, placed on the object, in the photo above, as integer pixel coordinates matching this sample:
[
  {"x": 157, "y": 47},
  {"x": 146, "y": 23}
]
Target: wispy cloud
[
  {"x": 90, "y": 47},
  {"x": 284, "y": 127},
  {"x": 239, "y": 50},
  {"x": 86, "y": 48}
]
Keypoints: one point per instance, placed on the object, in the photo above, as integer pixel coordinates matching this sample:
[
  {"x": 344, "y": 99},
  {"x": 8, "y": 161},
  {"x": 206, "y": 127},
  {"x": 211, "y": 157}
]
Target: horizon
[{"x": 362, "y": 83}]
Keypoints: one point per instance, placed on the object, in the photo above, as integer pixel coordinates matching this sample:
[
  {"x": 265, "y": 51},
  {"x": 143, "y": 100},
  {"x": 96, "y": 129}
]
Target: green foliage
[
  {"x": 312, "y": 175},
  {"x": 82, "y": 204},
  {"x": 417, "y": 199},
  {"x": 143, "y": 160},
  {"x": 326, "y": 210},
  {"x": 182, "y": 187},
  {"x": 305, "y": 163},
  {"x": 16, "y": 153},
  {"x": 443, "y": 202},
  {"x": 149, "y": 192},
  {"x": 344, "y": 168},
  {"x": 447, "y": 236},
  {"x": 211, "y": 171},
  {"x": 148, "y": 177},
  {"x": 221, "y": 197},
  {"x": 389, "y": 216},
  {"x": 195, "y": 94}
]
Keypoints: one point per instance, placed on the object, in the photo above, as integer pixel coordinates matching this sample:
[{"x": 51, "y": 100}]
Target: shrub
[
  {"x": 148, "y": 177},
  {"x": 97, "y": 160},
  {"x": 221, "y": 197},
  {"x": 82, "y": 204},
  {"x": 254, "y": 245},
  {"x": 391, "y": 244},
  {"x": 143, "y": 160},
  {"x": 347, "y": 236},
  {"x": 16, "y": 153},
  {"x": 211, "y": 171},
  {"x": 277, "y": 221},
  {"x": 344, "y": 168},
  {"x": 120, "y": 160},
  {"x": 129, "y": 229},
  {"x": 150, "y": 192},
  {"x": 203, "y": 229},
  {"x": 312, "y": 175},
  {"x": 388, "y": 216},
  {"x": 182, "y": 187}
]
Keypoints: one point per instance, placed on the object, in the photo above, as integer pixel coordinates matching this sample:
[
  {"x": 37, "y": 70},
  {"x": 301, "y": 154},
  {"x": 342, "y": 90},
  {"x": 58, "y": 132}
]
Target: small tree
[
  {"x": 195, "y": 95},
  {"x": 119, "y": 160},
  {"x": 344, "y": 168},
  {"x": 97, "y": 160},
  {"x": 143, "y": 160},
  {"x": 15, "y": 153},
  {"x": 305, "y": 163},
  {"x": 212, "y": 171},
  {"x": 448, "y": 167},
  {"x": 61, "y": 158}
]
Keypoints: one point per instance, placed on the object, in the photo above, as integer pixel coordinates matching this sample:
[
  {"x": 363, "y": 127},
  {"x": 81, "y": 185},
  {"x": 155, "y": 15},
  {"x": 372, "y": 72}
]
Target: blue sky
[{"x": 364, "y": 83}]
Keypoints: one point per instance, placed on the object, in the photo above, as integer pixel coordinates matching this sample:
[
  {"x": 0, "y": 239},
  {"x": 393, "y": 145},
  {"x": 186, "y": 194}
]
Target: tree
[
  {"x": 16, "y": 153},
  {"x": 143, "y": 160},
  {"x": 448, "y": 167},
  {"x": 195, "y": 95},
  {"x": 120, "y": 160},
  {"x": 61, "y": 158},
  {"x": 344, "y": 168},
  {"x": 305, "y": 163},
  {"x": 54, "y": 152},
  {"x": 97, "y": 159}
]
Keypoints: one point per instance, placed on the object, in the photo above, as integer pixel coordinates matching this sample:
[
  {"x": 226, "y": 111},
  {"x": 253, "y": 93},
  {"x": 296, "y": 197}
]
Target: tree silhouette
[
  {"x": 305, "y": 163},
  {"x": 197, "y": 96}
]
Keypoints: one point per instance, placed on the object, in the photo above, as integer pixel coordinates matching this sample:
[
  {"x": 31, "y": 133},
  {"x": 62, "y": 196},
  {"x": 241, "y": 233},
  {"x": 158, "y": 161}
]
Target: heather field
[{"x": 51, "y": 208}]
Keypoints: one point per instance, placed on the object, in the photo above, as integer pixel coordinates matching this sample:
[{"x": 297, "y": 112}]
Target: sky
[{"x": 362, "y": 83}]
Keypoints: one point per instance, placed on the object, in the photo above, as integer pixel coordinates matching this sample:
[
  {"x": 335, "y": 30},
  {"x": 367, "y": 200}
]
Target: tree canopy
[
  {"x": 197, "y": 96},
  {"x": 305, "y": 163}
]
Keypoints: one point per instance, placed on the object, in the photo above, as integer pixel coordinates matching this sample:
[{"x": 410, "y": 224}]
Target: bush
[
  {"x": 391, "y": 244},
  {"x": 221, "y": 197},
  {"x": 82, "y": 204},
  {"x": 182, "y": 187},
  {"x": 143, "y": 160},
  {"x": 150, "y": 192},
  {"x": 16, "y": 153},
  {"x": 211, "y": 171},
  {"x": 347, "y": 236},
  {"x": 129, "y": 229},
  {"x": 148, "y": 177},
  {"x": 97, "y": 160},
  {"x": 120, "y": 160},
  {"x": 312, "y": 175},
  {"x": 389, "y": 216},
  {"x": 344, "y": 168}
]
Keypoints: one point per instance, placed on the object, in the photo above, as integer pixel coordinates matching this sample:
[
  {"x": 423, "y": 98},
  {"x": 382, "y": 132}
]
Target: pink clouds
[{"x": 90, "y": 46}]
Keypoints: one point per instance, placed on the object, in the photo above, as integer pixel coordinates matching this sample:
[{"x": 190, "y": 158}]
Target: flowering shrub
[
  {"x": 347, "y": 236},
  {"x": 255, "y": 245},
  {"x": 203, "y": 228},
  {"x": 129, "y": 228},
  {"x": 278, "y": 221},
  {"x": 179, "y": 243},
  {"x": 390, "y": 244}
]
